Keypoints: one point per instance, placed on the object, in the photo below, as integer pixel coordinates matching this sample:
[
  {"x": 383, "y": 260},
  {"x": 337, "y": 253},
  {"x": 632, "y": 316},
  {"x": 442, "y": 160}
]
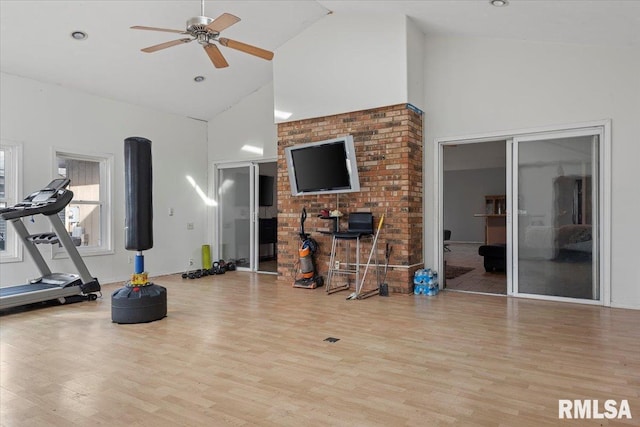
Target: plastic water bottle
[
  {"x": 420, "y": 280},
  {"x": 425, "y": 282},
  {"x": 434, "y": 286}
]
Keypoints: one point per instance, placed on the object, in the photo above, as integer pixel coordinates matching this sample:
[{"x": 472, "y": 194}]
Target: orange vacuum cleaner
[{"x": 306, "y": 272}]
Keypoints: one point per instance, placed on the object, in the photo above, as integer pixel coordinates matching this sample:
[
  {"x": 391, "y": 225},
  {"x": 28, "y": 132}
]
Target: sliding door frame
[
  {"x": 597, "y": 209},
  {"x": 214, "y": 212},
  {"x": 251, "y": 166},
  {"x": 256, "y": 236},
  {"x": 604, "y": 167}
]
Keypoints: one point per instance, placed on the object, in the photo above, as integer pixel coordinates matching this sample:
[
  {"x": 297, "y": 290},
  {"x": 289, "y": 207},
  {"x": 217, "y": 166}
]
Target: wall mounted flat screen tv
[{"x": 323, "y": 167}]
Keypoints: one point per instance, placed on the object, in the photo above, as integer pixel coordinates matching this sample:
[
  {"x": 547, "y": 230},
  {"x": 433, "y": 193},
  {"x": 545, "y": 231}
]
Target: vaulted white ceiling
[{"x": 35, "y": 40}]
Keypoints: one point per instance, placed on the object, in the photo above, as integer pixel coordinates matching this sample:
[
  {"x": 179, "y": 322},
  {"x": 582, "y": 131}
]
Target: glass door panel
[
  {"x": 556, "y": 228},
  {"x": 235, "y": 213}
]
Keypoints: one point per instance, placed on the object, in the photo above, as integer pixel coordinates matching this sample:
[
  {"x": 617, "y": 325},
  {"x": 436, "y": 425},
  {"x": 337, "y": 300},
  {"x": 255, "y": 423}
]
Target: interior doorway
[
  {"x": 474, "y": 177},
  {"x": 267, "y": 247},
  {"x": 247, "y": 215}
]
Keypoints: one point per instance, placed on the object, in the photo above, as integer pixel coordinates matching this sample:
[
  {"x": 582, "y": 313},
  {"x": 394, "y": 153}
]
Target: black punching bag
[
  {"x": 139, "y": 300},
  {"x": 137, "y": 188}
]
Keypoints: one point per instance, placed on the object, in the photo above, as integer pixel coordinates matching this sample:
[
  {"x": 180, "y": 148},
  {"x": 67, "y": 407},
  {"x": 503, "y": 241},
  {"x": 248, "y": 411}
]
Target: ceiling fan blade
[
  {"x": 223, "y": 21},
  {"x": 166, "y": 30},
  {"x": 165, "y": 45},
  {"x": 246, "y": 48},
  {"x": 216, "y": 56}
]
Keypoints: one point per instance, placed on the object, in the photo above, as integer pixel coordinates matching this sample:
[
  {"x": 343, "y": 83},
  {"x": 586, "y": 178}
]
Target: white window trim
[
  {"x": 14, "y": 195},
  {"x": 106, "y": 176}
]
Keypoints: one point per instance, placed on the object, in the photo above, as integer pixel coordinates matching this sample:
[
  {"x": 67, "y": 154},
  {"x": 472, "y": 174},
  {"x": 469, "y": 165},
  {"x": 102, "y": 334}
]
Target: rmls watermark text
[{"x": 593, "y": 409}]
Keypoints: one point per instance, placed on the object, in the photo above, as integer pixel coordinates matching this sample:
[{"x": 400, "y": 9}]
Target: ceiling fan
[{"x": 206, "y": 31}]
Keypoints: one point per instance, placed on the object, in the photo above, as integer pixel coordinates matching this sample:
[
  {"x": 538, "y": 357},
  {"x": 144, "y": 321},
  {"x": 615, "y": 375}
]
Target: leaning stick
[{"x": 373, "y": 248}]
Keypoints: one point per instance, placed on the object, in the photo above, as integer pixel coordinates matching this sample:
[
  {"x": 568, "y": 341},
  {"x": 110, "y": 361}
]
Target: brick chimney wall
[{"x": 388, "y": 143}]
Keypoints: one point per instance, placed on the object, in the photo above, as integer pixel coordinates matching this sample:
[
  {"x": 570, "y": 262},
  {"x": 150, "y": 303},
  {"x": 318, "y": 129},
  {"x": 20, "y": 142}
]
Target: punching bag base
[{"x": 138, "y": 304}]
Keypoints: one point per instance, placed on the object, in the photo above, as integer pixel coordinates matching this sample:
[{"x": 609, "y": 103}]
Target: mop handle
[{"x": 373, "y": 248}]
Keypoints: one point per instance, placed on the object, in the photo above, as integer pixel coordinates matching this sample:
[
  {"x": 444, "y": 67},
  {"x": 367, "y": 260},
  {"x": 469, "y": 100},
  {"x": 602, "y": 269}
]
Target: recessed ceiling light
[
  {"x": 499, "y": 3},
  {"x": 198, "y": 79},
  {"x": 79, "y": 35}
]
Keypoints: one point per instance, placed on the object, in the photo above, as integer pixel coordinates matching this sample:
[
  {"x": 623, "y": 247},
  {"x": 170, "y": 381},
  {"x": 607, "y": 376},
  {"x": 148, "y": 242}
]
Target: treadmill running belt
[{"x": 29, "y": 287}]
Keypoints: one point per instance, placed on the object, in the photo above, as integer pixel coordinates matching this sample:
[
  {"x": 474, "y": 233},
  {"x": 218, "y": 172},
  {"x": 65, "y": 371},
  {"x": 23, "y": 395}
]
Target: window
[
  {"x": 10, "y": 189},
  {"x": 88, "y": 217}
]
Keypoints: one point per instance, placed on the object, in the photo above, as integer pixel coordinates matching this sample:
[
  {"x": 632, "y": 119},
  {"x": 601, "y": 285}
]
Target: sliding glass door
[
  {"x": 236, "y": 213},
  {"x": 247, "y": 215},
  {"x": 557, "y": 204}
]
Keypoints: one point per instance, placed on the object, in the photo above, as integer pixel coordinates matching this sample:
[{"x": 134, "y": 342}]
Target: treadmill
[{"x": 64, "y": 287}]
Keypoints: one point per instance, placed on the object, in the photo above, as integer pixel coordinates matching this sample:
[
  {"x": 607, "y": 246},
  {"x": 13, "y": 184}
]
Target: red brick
[{"x": 388, "y": 142}]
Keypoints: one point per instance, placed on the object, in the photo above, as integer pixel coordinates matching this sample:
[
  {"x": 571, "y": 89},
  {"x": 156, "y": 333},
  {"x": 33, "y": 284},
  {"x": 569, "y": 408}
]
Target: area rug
[{"x": 453, "y": 271}]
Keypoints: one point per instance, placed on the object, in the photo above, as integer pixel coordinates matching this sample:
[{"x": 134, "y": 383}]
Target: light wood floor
[
  {"x": 477, "y": 280},
  {"x": 242, "y": 350}
]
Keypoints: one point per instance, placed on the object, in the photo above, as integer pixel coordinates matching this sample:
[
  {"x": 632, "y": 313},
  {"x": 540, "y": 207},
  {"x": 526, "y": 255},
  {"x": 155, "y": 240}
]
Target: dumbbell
[{"x": 217, "y": 268}]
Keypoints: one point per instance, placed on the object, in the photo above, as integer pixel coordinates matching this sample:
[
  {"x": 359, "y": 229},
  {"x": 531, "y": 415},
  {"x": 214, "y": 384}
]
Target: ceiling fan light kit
[{"x": 206, "y": 31}]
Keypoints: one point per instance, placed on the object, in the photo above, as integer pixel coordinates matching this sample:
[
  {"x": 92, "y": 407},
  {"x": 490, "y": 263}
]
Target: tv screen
[
  {"x": 323, "y": 167},
  {"x": 265, "y": 194}
]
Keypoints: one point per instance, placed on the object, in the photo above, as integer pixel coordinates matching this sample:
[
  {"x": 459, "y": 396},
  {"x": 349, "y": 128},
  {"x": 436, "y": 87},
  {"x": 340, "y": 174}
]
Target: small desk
[{"x": 495, "y": 228}]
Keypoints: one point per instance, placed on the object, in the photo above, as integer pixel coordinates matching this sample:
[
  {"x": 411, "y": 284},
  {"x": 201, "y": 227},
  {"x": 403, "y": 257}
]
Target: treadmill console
[
  {"x": 50, "y": 190},
  {"x": 48, "y": 201}
]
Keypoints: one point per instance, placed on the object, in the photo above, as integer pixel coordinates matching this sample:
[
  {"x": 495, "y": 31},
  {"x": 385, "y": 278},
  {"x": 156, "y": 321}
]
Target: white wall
[
  {"x": 464, "y": 192},
  {"x": 342, "y": 63},
  {"x": 249, "y": 122},
  {"x": 471, "y": 86},
  {"x": 42, "y": 116},
  {"x": 345, "y": 63},
  {"x": 475, "y": 86},
  {"x": 415, "y": 64}
]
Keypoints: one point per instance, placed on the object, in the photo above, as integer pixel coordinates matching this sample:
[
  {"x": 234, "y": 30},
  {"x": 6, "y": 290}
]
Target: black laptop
[{"x": 360, "y": 224}]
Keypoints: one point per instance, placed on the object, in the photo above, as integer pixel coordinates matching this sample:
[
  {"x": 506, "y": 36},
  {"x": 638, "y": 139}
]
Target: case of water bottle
[{"x": 425, "y": 282}]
